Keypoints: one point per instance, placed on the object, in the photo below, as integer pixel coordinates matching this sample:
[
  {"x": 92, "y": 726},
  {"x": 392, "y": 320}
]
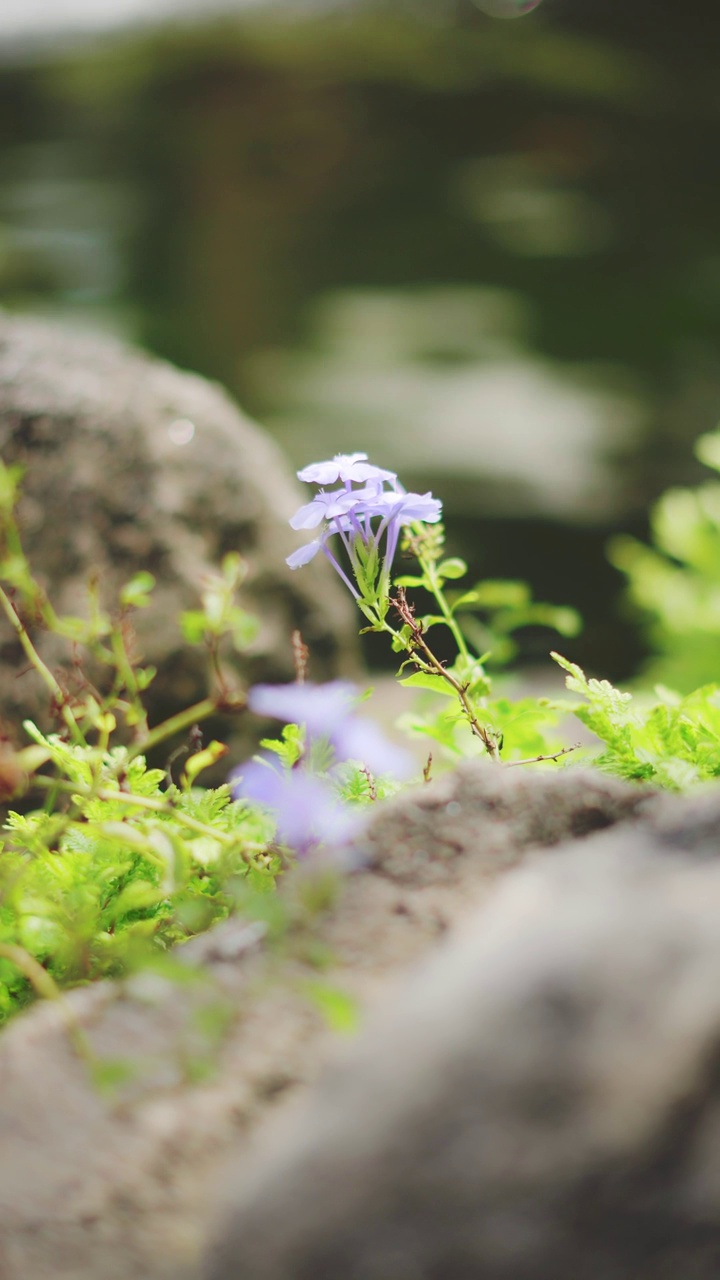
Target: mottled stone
[
  {"x": 102, "y": 1185},
  {"x": 132, "y": 464},
  {"x": 540, "y": 1099}
]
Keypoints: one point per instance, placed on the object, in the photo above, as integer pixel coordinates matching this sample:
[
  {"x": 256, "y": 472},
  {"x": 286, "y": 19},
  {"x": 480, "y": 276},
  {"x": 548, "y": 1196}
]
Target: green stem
[
  {"x": 381, "y": 624},
  {"x": 126, "y": 676},
  {"x": 176, "y": 724},
  {"x": 429, "y": 569},
  {"x": 43, "y": 671}
]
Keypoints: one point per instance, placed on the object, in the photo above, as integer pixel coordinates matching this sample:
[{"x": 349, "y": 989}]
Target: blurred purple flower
[
  {"x": 326, "y": 712},
  {"x": 306, "y": 809},
  {"x": 320, "y": 707}
]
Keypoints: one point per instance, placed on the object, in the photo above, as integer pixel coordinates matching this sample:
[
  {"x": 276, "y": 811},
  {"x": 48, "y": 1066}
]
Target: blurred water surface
[{"x": 488, "y": 253}]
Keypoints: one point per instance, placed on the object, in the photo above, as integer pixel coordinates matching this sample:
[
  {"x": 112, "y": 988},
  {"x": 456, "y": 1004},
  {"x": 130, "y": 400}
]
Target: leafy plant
[
  {"x": 672, "y": 741},
  {"x": 675, "y": 583},
  {"x": 113, "y": 862},
  {"x": 371, "y": 514}
]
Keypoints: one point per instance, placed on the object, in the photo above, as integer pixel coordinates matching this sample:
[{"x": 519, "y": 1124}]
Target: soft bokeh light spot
[{"x": 181, "y": 431}]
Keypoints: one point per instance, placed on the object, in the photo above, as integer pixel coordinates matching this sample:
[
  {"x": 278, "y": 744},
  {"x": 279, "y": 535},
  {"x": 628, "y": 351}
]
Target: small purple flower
[
  {"x": 306, "y": 809},
  {"x": 397, "y": 510},
  {"x": 333, "y": 506},
  {"x": 349, "y": 512},
  {"x": 406, "y": 508}
]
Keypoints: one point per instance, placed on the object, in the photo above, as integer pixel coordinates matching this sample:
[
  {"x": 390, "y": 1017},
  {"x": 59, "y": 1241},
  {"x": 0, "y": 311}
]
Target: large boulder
[
  {"x": 98, "y": 1185},
  {"x": 131, "y": 464},
  {"x": 540, "y": 1099}
]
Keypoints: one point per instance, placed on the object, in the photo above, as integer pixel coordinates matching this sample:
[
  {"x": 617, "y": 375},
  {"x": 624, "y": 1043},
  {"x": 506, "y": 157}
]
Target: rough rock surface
[
  {"x": 97, "y": 1186},
  {"x": 132, "y": 464},
  {"x": 540, "y": 1099}
]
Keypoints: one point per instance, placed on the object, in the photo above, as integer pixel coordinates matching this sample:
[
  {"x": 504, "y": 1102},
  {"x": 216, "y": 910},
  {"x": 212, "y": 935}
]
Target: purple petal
[
  {"x": 320, "y": 707},
  {"x": 305, "y": 808},
  {"x": 304, "y": 555},
  {"x": 309, "y": 516},
  {"x": 348, "y": 467},
  {"x": 328, "y": 472},
  {"x": 312, "y": 513},
  {"x": 259, "y": 780},
  {"x": 405, "y": 507},
  {"x": 363, "y": 741}
]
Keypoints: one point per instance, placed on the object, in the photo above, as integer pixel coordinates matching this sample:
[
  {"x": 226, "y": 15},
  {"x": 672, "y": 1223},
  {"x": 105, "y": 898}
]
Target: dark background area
[{"x": 379, "y": 225}]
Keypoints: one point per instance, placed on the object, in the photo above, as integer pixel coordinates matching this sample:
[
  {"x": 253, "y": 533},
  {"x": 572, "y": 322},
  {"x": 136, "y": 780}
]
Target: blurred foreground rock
[
  {"x": 533, "y": 1094},
  {"x": 132, "y": 464},
  {"x": 541, "y": 1099}
]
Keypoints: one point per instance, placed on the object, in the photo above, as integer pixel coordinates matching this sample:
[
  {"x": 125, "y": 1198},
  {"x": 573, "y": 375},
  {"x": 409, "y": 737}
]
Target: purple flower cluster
[
  {"x": 306, "y": 806},
  {"x": 349, "y": 512}
]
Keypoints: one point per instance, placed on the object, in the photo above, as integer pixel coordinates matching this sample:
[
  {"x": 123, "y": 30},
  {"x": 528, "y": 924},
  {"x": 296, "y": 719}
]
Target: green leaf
[
  {"x": 339, "y": 1009},
  {"x": 193, "y": 624},
  {"x": 136, "y": 592},
  {"x": 500, "y": 593},
  {"x": 204, "y": 759},
  {"x": 463, "y": 601},
  {"x": 452, "y": 568},
  {"x": 399, "y": 642},
  {"x": 421, "y": 680},
  {"x": 429, "y": 620},
  {"x": 707, "y": 449}
]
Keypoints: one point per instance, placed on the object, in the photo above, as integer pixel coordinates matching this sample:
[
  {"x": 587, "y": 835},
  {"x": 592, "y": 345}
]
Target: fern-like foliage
[{"x": 671, "y": 740}]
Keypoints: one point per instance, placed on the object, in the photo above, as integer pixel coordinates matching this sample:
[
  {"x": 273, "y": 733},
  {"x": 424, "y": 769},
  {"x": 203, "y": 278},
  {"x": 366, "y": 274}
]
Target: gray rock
[
  {"x": 132, "y": 464},
  {"x": 495, "y": 816},
  {"x": 540, "y": 1100},
  {"x": 100, "y": 1186}
]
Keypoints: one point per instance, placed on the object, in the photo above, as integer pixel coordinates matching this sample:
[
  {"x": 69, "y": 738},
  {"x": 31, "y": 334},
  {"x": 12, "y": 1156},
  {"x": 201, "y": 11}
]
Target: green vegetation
[
  {"x": 675, "y": 584},
  {"x": 113, "y": 862},
  {"x": 106, "y": 862}
]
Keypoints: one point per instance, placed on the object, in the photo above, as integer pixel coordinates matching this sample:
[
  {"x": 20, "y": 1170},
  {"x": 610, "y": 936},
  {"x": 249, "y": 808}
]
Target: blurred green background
[{"x": 486, "y": 252}]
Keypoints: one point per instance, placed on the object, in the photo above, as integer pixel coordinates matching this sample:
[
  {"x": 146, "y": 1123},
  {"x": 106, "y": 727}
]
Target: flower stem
[{"x": 429, "y": 569}]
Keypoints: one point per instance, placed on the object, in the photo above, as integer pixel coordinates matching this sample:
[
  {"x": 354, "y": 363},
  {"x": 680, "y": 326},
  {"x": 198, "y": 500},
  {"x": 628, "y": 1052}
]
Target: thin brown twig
[
  {"x": 565, "y": 751},
  {"x": 406, "y": 614},
  {"x": 301, "y": 655}
]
